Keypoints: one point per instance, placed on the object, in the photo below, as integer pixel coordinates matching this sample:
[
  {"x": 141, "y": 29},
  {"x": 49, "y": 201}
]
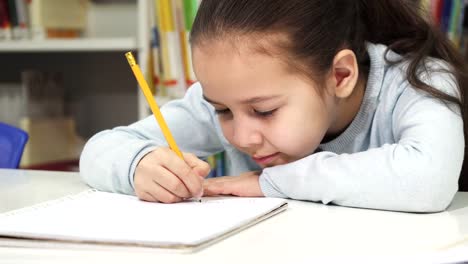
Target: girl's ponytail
[{"x": 400, "y": 26}]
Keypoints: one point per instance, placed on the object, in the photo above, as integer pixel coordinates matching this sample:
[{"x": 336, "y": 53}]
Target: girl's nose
[{"x": 246, "y": 134}]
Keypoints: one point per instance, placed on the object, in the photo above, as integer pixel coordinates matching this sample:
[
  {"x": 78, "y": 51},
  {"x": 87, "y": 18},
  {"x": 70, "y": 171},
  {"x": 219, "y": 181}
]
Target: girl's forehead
[
  {"x": 223, "y": 55},
  {"x": 272, "y": 44}
]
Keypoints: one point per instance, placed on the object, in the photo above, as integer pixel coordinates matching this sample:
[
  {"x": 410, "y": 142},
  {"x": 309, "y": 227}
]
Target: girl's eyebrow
[
  {"x": 211, "y": 101},
  {"x": 252, "y": 100}
]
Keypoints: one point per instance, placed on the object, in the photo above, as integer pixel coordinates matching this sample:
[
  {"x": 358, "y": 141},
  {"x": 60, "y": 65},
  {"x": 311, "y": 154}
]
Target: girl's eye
[
  {"x": 258, "y": 113},
  {"x": 264, "y": 114},
  {"x": 222, "y": 111}
]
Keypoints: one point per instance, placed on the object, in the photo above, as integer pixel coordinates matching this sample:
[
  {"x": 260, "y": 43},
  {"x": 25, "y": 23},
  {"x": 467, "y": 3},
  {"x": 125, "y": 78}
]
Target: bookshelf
[
  {"x": 100, "y": 89},
  {"x": 73, "y": 45},
  {"x": 92, "y": 64}
]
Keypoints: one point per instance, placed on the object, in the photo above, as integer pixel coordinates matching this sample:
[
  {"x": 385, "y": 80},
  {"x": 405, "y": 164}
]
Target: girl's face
[{"x": 270, "y": 113}]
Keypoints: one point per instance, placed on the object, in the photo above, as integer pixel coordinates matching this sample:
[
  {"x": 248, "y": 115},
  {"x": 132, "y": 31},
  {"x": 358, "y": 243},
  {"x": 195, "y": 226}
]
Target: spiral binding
[{"x": 47, "y": 203}]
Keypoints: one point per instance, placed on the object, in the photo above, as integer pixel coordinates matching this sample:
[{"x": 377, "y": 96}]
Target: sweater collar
[{"x": 361, "y": 123}]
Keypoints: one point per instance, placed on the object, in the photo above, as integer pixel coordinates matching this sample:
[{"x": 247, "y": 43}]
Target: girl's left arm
[{"x": 418, "y": 173}]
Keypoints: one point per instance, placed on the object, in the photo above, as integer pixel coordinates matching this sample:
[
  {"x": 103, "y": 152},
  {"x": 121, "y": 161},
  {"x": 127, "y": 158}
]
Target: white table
[{"x": 305, "y": 231}]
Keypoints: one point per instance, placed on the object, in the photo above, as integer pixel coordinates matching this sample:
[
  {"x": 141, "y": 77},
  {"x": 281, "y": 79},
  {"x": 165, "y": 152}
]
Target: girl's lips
[{"x": 265, "y": 159}]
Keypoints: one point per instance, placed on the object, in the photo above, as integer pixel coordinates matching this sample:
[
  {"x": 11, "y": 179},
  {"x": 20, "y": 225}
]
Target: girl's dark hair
[{"x": 317, "y": 29}]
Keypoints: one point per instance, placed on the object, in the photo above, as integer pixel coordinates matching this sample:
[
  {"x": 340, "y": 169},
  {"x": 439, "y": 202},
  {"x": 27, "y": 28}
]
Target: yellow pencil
[{"x": 152, "y": 103}]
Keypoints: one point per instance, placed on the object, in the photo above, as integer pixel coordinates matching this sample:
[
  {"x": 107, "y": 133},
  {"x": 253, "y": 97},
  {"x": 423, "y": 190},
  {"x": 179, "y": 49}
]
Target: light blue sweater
[{"x": 403, "y": 151}]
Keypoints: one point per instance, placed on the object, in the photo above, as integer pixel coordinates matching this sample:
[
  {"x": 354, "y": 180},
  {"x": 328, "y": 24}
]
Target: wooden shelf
[{"x": 69, "y": 45}]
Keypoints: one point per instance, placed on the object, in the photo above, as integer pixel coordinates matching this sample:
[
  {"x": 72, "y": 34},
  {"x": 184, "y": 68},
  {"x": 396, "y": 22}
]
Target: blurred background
[{"x": 64, "y": 76}]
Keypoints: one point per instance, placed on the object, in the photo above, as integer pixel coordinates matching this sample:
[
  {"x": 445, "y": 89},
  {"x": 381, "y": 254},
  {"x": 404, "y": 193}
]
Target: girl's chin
[
  {"x": 282, "y": 161},
  {"x": 275, "y": 163}
]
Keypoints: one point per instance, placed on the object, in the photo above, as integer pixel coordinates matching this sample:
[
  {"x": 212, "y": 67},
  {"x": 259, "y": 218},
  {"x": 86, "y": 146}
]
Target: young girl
[{"x": 356, "y": 103}]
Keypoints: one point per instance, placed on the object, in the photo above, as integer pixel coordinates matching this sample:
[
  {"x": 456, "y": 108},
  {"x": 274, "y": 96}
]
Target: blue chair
[{"x": 12, "y": 142}]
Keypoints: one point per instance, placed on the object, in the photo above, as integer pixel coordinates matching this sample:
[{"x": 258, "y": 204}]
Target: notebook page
[{"x": 96, "y": 216}]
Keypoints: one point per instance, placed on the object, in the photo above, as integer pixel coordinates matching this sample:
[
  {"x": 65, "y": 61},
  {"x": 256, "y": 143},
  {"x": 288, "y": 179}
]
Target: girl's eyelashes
[
  {"x": 256, "y": 112},
  {"x": 264, "y": 113},
  {"x": 222, "y": 111}
]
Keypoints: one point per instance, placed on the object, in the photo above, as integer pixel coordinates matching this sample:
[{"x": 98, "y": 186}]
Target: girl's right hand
[{"x": 162, "y": 176}]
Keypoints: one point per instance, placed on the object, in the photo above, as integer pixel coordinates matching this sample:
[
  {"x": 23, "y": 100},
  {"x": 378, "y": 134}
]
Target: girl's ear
[{"x": 344, "y": 75}]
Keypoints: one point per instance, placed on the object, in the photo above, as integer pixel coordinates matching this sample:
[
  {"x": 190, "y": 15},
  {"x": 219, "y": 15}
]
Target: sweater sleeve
[
  {"x": 417, "y": 173},
  {"x": 110, "y": 157}
]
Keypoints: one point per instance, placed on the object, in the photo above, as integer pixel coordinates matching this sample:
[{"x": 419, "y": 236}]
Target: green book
[{"x": 190, "y": 11}]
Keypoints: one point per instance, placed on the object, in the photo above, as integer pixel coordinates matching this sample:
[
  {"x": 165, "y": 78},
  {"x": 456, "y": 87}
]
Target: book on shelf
[
  {"x": 449, "y": 16},
  {"x": 41, "y": 19},
  {"x": 15, "y": 17},
  {"x": 171, "y": 60},
  {"x": 57, "y": 18},
  {"x": 5, "y": 24},
  {"x": 170, "y": 67},
  {"x": 218, "y": 164},
  {"x": 189, "y": 9},
  {"x": 21, "y": 23}
]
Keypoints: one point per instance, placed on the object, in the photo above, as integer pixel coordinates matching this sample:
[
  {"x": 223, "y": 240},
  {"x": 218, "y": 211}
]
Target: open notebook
[{"x": 97, "y": 217}]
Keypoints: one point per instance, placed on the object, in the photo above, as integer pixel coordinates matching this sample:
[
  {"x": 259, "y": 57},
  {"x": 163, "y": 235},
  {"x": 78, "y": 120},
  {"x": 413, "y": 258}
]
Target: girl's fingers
[
  {"x": 146, "y": 196},
  {"x": 245, "y": 184},
  {"x": 183, "y": 171},
  {"x": 156, "y": 193},
  {"x": 163, "y": 176},
  {"x": 211, "y": 190},
  {"x": 213, "y": 187},
  {"x": 169, "y": 181},
  {"x": 201, "y": 167}
]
